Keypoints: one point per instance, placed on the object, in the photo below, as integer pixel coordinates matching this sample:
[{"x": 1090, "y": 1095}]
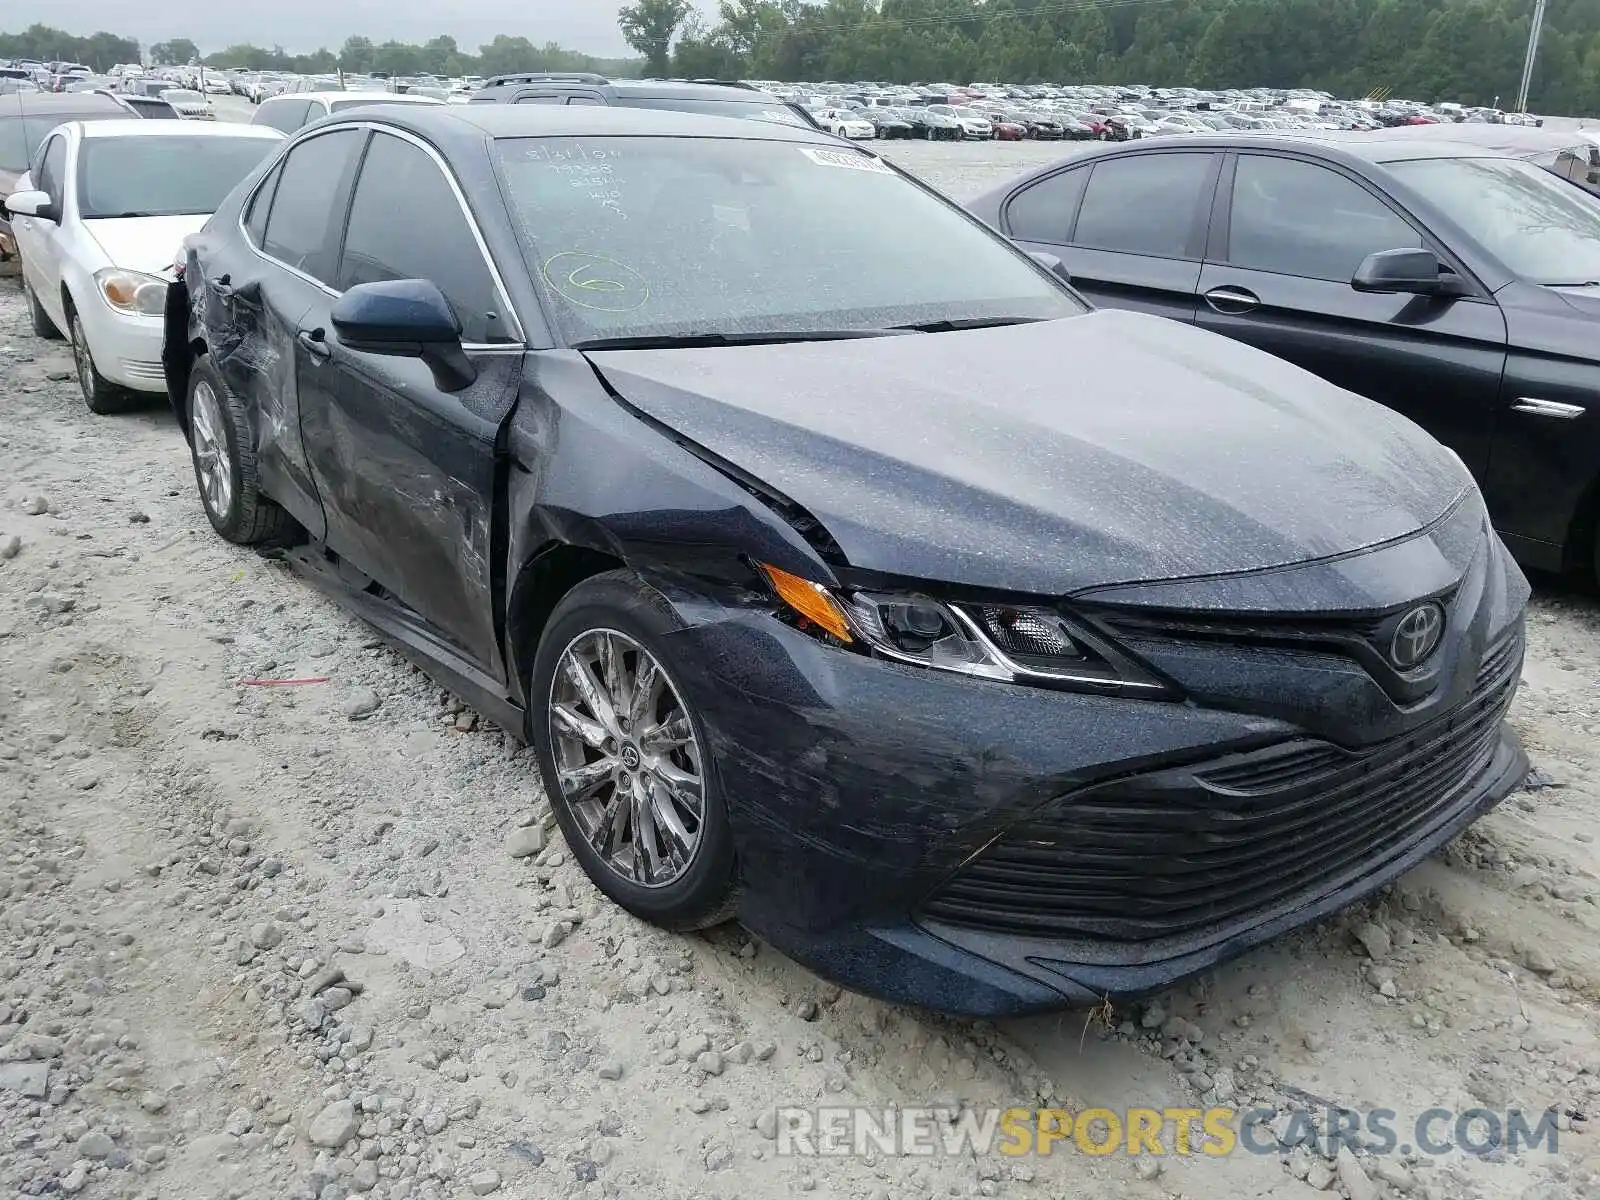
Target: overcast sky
[{"x": 304, "y": 25}]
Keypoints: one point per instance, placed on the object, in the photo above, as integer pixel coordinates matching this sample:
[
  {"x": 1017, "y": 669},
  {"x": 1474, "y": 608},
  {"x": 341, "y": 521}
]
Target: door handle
[
  {"x": 314, "y": 343},
  {"x": 1548, "y": 408},
  {"x": 1232, "y": 299}
]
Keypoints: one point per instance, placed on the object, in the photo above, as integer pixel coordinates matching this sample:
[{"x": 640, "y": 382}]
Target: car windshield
[
  {"x": 659, "y": 236},
  {"x": 1542, "y": 228},
  {"x": 163, "y": 176}
]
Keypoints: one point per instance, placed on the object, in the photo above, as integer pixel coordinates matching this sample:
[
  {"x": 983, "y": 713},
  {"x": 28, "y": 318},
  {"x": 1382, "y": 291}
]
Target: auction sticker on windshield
[{"x": 847, "y": 159}]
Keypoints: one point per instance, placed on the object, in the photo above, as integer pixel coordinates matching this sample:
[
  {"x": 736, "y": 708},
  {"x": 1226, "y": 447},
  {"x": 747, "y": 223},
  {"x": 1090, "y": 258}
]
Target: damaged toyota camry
[{"x": 847, "y": 574}]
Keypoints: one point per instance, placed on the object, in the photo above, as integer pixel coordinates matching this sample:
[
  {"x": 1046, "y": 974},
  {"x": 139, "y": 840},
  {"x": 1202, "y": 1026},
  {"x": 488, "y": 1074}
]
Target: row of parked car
[
  {"x": 1001, "y": 113},
  {"x": 1183, "y": 614}
]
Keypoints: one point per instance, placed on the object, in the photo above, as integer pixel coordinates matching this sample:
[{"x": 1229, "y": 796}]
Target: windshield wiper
[
  {"x": 118, "y": 216},
  {"x": 679, "y": 341},
  {"x": 1574, "y": 283},
  {"x": 949, "y": 325}
]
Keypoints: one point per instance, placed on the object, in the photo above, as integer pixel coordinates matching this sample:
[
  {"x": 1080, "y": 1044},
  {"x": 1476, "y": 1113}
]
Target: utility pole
[{"x": 1533, "y": 51}]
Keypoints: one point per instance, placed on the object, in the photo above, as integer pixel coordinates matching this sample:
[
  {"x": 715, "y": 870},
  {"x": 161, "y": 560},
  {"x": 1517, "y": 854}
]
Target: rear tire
[
  {"x": 225, "y": 463},
  {"x": 691, "y": 888},
  {"x": 40, "y": 320},
  {"x": 103, "y": 397}
]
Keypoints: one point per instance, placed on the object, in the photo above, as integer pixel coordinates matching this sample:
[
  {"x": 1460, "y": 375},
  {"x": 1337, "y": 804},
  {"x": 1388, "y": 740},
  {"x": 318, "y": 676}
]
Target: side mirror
[
  {"x": 1415, "y": 271},
  {"x": 1052, "y": 264},
  {"x": 33, "y": 204},
  {"x": 409, "y": 318}
]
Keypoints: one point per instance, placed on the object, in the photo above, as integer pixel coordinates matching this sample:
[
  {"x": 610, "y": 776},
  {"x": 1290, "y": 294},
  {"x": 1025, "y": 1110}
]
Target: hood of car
[
  {"x": 148, "y": 244},
  {"x": 1050, "y": 457}
]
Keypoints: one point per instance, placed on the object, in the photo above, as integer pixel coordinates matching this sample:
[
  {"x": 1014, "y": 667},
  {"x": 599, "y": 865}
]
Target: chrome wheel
[
  {"x": 81, "y": 359},
  {"x": 626, "y": 758},
  {"x": 211, "y": 451}
]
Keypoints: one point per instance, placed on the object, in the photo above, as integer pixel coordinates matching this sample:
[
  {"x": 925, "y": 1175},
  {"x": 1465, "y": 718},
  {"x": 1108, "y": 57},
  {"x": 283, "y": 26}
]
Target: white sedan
[
  {"x": 847, "y": 123},
  {"x": 98, "y": 229}
]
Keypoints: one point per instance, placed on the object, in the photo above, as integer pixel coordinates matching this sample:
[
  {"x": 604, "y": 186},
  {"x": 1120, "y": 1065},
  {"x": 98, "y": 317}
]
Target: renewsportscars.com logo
[{"x": 846, "y": 1131}]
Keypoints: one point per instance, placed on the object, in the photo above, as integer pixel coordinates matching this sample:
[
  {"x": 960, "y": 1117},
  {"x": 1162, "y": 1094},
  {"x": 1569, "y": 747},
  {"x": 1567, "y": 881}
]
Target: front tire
[
  {"x": 103, "y": 397},
  {"x": 624, "y": 756},
  {"x": 225, "y": 463}
]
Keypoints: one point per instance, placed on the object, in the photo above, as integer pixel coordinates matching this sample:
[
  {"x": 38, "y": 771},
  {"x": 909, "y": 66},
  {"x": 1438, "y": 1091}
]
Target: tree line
[
  {"x": 1465, "y": 50},
  {"x": 358, "y": 55}
]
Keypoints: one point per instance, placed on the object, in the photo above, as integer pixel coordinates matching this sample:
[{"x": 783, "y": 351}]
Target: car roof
[
  {"x": 139, "y": 127},
  {"x": 366, "y": 94},
  {"x": 32, "y": 103},
  {"x": 583, "y": 120},
  {"x": 642, "y": 88},
  {"x": 1335, "y": 144}
]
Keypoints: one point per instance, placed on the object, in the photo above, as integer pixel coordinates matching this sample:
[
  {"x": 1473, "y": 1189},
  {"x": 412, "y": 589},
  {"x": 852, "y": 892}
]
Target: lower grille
[{"x": 1176, "y": 851}]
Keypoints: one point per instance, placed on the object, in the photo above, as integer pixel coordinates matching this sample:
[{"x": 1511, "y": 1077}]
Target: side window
[
  {"x": 310, "y": 180},
  {"x": 1044, "y": 211},
  {"x": 255, "y": 221},
  {"x": 52, "y": 165},
  {"x": 1268, "y": 229},
  {"x": 283, "y": 115},
  {"x": 1144, "y": 204},
  {"x": 402, "y": 190}
]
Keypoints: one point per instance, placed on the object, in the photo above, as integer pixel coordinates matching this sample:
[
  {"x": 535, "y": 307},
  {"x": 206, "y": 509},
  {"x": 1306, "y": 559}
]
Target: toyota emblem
[{"x": 1416, "y": 636}]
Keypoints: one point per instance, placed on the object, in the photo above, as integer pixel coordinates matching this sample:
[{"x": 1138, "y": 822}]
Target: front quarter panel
[{"x": 586, "y": 472}]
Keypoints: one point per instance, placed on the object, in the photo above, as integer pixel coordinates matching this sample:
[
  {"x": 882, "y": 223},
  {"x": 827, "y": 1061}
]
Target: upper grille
[{"x": 1157, "y": 855}]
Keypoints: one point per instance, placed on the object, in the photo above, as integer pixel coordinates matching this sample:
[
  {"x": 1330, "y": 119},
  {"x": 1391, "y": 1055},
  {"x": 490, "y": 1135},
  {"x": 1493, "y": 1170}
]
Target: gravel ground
[{"x": 306, "y": 941}]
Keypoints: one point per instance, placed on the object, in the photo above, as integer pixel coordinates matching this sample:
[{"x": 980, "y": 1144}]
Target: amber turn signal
[{"x": 808, "y": 600}]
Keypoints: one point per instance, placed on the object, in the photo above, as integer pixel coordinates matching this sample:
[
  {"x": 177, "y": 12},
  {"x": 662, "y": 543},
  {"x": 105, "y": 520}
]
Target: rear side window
[
  {"x": 1043, "y": 212},
  {"x": 285, "y": 115},
  {"x": 401, "y": 190},
  {"x": 255, "y": 221},
  {"x": 1268, "y": 229},
  {"x": 1145, "y": 204},
  {"x": 311, "y": 178}
]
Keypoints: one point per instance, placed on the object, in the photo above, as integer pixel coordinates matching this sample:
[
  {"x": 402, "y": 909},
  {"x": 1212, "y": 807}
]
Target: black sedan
[
  {"x": 846, "y": 573},
  {"x": 887, "y": 123},
  {"x": 1453, "y": 283}
]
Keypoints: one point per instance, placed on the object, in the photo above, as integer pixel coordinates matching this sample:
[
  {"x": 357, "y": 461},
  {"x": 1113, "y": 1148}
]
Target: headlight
[
  {"x": 1012, "y": 643},
  {"x": 132, "y": 291}
]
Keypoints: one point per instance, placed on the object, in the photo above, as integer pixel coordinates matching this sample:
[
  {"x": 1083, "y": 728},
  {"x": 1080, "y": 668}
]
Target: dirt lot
[{"x": 274, "y": 941}]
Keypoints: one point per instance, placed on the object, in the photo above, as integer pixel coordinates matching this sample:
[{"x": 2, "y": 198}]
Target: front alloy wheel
[
  {"x": 624, "y": 756},
  {"x": 101, "y": 395},
  {"x": 627, "y": 758},
  {"x": 213, "y": 470}
]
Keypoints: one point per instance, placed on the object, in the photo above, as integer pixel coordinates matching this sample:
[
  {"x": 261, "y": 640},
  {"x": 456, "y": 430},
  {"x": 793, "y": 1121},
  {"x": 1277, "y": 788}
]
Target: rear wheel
[
  {"x": 101, "y": 395},
  {"x": 624, "y": 756},
  {"x": 40, "y": 320},
  {"x": 225, "y": 463}
]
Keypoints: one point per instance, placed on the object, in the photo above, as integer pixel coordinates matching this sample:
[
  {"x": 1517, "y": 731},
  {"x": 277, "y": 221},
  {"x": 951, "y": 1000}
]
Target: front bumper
[
  {"x": 126, "y": 349},
  {"x": 993, "y": 849}
]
